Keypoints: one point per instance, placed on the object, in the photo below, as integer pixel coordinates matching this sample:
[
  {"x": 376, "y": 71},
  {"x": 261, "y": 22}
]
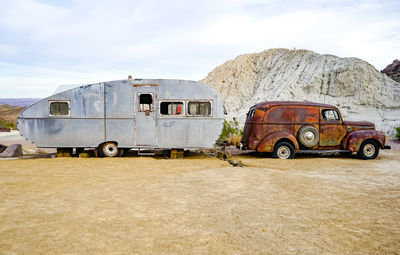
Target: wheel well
[
  {"x": 373, "y": 140},
  {"x": 284, "y": 140},
  {"x": 107, "y": 142}
]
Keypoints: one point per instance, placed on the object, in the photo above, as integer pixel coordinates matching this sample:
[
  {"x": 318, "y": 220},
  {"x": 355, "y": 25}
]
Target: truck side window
[
  {"x": 250, "y": 113},
  {"x": 59, "y": 108},
  {"x": 145, "y": 102},
  {"x": 171, "y": 108},
  {"x": 330, "y": 115},
  {"x": 199, "y": 108}
]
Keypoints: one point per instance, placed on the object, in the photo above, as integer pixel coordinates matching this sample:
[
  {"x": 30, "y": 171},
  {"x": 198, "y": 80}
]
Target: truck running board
[{"x": 322, "y": 151}]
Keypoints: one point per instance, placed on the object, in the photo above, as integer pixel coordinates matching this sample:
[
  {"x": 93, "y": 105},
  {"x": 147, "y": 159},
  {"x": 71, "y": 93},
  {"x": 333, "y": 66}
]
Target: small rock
[
  {"x": 29, "y": 150},
  {"x": 14, "y": 150}
]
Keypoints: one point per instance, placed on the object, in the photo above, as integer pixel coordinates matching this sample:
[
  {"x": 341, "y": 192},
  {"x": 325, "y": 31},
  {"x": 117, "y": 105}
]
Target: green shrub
[
  {"x": 7, "y": 124},
  {"x": 231, "y": 128},
  {"x": 398, "y": 132}
]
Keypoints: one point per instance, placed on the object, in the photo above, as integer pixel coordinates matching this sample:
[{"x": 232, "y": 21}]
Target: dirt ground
[{"x": 146, "y": 205}]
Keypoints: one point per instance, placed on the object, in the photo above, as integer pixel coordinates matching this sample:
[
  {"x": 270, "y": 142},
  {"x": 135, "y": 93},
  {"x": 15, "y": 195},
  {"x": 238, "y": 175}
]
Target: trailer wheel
[
  {"x": 109, "y": 149},
  {"x": 121, "y": 152},
  {"x": 283, "y": 150},
  {"x": 368, "y": 150}
]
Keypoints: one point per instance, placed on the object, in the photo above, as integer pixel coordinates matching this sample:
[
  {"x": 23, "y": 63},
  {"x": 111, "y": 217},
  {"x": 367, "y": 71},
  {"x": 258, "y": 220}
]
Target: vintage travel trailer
[{"x": 126, "y": 114}]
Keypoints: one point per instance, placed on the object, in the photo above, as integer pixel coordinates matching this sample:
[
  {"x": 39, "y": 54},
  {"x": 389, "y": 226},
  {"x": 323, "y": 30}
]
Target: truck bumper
[{"x": 387, "y": 147}]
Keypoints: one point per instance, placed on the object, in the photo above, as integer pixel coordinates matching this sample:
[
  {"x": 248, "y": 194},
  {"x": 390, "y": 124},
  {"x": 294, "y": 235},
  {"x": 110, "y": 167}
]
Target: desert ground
[{"x": 199, "y": 205}]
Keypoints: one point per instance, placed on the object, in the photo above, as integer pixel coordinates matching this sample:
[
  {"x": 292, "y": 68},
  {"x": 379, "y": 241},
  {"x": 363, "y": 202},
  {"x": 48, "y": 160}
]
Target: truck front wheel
[{"x": 368, "y": 150}]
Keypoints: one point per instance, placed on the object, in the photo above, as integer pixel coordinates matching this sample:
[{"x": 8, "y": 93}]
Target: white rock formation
[{"x": 359, "y": 90}]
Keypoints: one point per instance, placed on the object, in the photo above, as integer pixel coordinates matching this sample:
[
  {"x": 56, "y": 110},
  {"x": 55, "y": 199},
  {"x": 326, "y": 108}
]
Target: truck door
[
  {"x": 145, "y": 114},
  {"x": 330, "y": 128}
]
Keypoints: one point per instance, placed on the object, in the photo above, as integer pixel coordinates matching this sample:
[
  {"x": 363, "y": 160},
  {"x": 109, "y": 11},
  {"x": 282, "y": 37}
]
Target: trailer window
[
  {"x": 145, "y": 102},
  {"x": 199, "y": 108},
  {"x": 59, "y": 108},
  {"x": 171, "y": 108}
]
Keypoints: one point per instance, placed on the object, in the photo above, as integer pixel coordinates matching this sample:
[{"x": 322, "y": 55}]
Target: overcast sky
[{"x": 46, "y": 43}]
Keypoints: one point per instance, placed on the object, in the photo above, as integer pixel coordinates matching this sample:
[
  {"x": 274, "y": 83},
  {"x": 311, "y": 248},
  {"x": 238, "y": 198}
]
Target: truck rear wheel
[
  {"x": 283, "y": 150},
  {"x": 368, "y": 150}
]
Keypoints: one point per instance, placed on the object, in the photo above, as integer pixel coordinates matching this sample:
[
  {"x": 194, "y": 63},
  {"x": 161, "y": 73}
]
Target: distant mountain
[{"x": 23, "y": 102}]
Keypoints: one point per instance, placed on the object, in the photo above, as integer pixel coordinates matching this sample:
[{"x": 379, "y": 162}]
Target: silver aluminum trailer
[{"x": 131, "y": 114}]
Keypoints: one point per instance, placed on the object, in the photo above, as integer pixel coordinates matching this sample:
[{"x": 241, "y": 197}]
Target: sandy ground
[{"x": 145, "y": 205}]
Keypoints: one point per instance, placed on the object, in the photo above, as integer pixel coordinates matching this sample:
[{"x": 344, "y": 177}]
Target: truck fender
[
  {"x": 353, "y": 140},
  {"x": 268, "y": 143}
]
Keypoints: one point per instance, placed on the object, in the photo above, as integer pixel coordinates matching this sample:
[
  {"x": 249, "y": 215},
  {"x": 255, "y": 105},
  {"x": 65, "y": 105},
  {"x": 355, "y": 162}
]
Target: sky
[{"x": 44, "y": 43}]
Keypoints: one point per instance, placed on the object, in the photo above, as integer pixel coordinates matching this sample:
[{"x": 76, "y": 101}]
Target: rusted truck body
[
  {"x": 284, "y": 127},
  {"x": 142, "y": 114}
]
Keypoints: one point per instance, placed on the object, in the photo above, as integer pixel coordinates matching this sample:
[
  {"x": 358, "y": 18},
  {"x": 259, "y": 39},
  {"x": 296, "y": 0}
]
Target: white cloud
[{"x": 43, "y": 44}]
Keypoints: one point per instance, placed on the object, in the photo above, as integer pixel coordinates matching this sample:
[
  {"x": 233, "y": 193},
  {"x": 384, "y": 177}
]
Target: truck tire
[
  {"x": 308, "y": 136},
  {"x": 283, "y": 150},
  {"x": 368, "y": 150},
  {"x": 109, "y": 149}
]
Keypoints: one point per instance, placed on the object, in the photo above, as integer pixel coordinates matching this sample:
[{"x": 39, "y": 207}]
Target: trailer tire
[
  {"x": 109, "y": 149},
  {"x": 100, "y": 152},
  {"x": 308, "y": 136}
]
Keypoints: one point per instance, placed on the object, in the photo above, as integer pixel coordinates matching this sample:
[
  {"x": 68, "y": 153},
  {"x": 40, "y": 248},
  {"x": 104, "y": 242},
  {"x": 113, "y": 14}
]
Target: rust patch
[
  {"x": 268, "y": 143},
  {"x": 354, "y": 139}
]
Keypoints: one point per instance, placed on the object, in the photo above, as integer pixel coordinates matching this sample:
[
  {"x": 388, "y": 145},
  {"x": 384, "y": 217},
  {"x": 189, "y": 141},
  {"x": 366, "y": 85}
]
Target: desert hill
[
  {"x": 359, "y": 90},
  {"x": 9, "y": 115}
]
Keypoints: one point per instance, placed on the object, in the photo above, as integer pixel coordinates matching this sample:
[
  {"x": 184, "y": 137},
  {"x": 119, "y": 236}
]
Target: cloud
[{"x": 47, "y": 43}]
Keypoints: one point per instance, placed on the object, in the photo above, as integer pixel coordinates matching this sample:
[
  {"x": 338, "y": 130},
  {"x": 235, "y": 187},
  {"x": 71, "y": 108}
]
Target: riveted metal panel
[
  {"x": 121, "y": 131},
  {"x": 119, "y": 100},
  {"x": 61, "y": 132},
  {"x": 188, "y": 133}
]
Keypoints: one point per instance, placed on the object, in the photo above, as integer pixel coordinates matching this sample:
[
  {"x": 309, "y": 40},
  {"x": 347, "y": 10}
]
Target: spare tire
[{"x": 308, "y": 136}]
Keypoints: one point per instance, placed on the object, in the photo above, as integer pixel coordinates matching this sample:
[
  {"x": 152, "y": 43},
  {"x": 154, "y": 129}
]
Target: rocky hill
[
  {"x": 393, "y": 70},
  {"x": 359, "y": 90}
]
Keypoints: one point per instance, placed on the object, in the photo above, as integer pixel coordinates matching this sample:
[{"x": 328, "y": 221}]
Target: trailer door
[{"x": 145, "y": 115}]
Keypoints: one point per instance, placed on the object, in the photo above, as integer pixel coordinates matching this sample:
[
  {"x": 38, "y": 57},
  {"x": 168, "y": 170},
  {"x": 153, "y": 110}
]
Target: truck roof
[{"x": 269, "y": 104}]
